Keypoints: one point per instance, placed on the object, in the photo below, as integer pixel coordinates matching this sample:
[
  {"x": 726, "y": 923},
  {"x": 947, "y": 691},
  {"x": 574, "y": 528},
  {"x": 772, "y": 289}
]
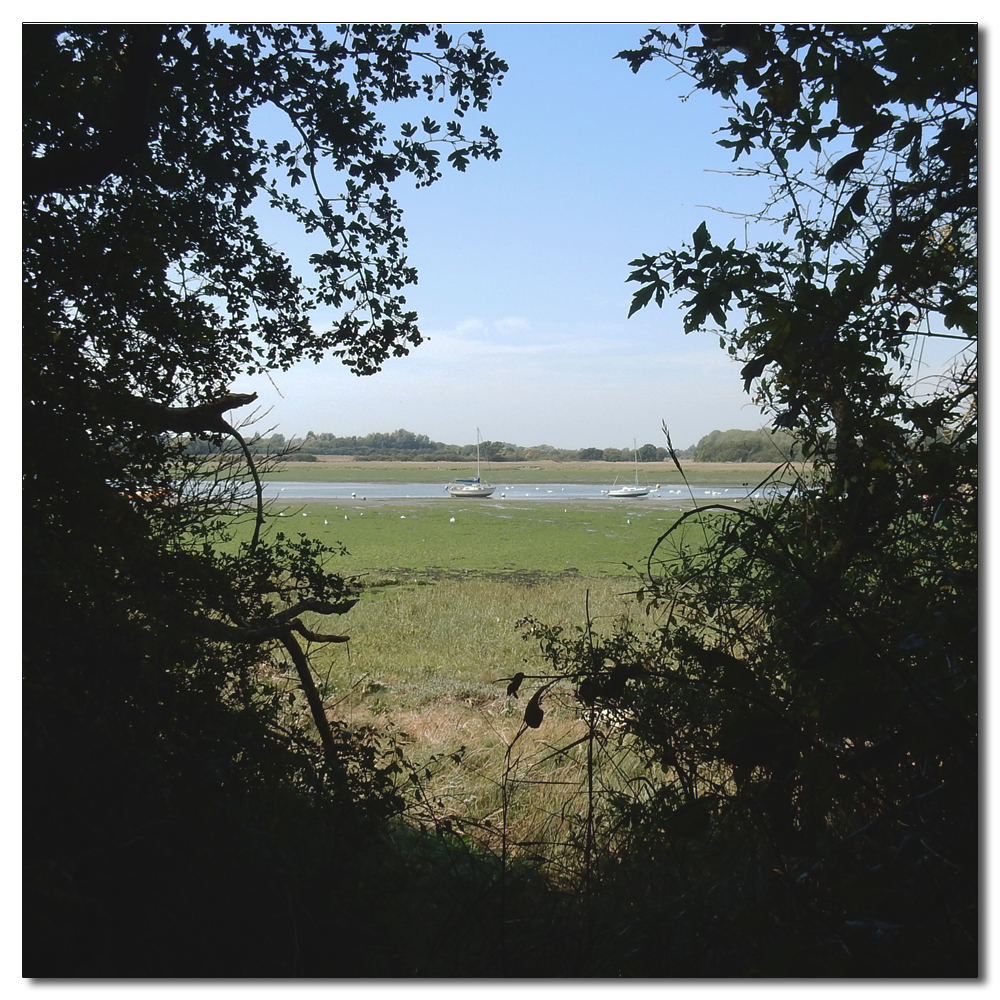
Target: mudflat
[{"x": 348, "y": 468}]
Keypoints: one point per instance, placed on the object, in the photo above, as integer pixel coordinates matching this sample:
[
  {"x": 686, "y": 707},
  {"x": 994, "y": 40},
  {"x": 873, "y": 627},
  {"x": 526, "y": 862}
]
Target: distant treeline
[
  {"x": 746, "y": 446},
  {"x": 405, "y": 446}
]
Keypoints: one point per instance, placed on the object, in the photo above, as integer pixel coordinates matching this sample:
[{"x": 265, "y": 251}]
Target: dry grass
[{"x": 430, "y": 664}]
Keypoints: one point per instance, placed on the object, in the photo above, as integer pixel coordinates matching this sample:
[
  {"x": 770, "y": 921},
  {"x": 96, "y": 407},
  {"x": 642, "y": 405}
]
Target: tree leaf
[
  {"x": 843, "y": 167},
  {"x": 701, "y": 239}
]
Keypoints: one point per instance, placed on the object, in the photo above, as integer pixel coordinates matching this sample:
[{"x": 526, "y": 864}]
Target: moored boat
[
  {"x": 629, "y": 490},
  {"x": 473, "y": 487},
  {"x": 470, "y": 488}
]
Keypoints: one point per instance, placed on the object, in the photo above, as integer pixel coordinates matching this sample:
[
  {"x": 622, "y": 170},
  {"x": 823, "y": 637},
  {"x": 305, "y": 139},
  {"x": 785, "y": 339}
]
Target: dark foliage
[
  {"x": 189, "y": 808},
  {"x": 803, "y": 701},
  {"x": 805, "y": 693}
]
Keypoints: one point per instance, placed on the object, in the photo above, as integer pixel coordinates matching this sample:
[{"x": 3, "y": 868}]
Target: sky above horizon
[{"x": 522, "y": 264}]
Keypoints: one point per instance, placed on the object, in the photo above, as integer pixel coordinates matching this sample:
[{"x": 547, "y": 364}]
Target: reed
[{"x": 432, "y": 663}]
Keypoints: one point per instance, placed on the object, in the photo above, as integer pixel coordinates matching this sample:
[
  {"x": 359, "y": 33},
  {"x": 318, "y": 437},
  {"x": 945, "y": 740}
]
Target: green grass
[
  {"x": 451, "y": 538},
  {"x": 434, "y": 639}
]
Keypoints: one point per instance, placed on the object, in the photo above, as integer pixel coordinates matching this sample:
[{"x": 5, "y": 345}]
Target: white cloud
[{"x": 511, "y": 324}]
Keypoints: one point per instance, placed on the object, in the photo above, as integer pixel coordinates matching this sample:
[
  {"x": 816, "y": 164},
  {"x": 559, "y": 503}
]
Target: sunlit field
[
  {"x": 467, "y": 538},
  {"x": 434, "y": 637}
]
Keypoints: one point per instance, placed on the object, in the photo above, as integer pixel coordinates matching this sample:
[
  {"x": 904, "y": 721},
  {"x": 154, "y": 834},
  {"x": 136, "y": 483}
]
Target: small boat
[
  {"x": 471, "y": 487},
  {"x": 629, "y": 490}
]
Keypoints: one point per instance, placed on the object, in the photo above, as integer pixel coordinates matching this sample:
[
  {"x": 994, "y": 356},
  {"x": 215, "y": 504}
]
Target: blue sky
[{"x": 522, "y": 266}]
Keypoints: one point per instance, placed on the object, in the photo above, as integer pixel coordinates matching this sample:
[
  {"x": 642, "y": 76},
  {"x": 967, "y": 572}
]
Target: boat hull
[
  {"x": 628, "y": 491},
  {"x": 471, "y": 491}
]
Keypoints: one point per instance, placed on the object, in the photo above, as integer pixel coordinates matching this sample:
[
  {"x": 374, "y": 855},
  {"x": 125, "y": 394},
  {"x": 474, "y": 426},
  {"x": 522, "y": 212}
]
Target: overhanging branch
[{"x": 206, "y": 418}]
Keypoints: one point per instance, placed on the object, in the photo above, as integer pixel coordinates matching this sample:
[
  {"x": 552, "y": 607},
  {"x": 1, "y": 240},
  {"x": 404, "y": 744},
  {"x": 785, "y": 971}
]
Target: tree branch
[
  {"x": 275, "y": 627},
  {"x": 316, "y": 636},
  {"x": 312, "y": 696},
  {"x": 201, "y": 419}
]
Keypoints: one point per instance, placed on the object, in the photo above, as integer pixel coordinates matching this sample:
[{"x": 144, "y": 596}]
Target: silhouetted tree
[
  {"x": 159, "y": 754},
  {"x": 808, "y": 689}
]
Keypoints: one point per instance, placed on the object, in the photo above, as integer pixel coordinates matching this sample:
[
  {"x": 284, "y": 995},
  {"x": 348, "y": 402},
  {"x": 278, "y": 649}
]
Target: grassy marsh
[
  {"x": 434, "y": 639},
  {"x": 464, "y": 539}
]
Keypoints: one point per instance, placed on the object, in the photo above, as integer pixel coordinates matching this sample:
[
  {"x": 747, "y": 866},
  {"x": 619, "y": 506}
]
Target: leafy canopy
[
  {"x": 159, "y": 714},
  {"x": 142, "y": 169},
  {"x": 805, "y": 692}
]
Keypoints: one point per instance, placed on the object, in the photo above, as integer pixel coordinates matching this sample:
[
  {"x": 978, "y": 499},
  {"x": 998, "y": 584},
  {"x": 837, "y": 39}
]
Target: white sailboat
[
  {"x": 629, "y": 490},
  {"x": 471, "y": 487}
]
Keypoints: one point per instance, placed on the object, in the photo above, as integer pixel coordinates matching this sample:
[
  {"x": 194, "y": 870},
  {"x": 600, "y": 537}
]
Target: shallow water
[{"x": 504, "y": 491}]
